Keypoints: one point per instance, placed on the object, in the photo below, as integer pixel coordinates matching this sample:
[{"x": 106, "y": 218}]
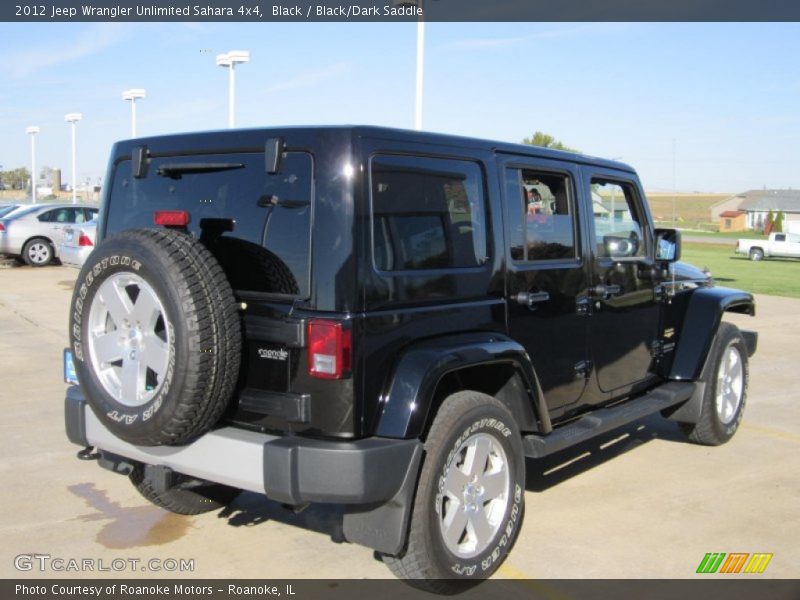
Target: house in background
[
  {"x": 756, "y": 205},
  {"x": 733, "y": 220}
]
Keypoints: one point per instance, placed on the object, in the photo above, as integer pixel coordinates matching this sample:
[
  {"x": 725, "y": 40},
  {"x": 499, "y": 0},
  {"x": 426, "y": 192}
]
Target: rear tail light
[
  {"x": 330, "y": 349},
  {"x": 85, "y": 240},
  {"x": 171, "y": 218}
]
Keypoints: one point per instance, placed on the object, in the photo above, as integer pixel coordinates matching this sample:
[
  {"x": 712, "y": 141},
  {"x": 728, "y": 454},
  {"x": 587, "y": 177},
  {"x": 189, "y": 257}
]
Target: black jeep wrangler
[{"x": 388, "y": 320}]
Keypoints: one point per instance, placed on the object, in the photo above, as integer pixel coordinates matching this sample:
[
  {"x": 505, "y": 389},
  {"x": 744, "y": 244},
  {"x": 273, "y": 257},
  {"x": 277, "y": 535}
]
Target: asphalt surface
[{"x": 637, "y": 503}]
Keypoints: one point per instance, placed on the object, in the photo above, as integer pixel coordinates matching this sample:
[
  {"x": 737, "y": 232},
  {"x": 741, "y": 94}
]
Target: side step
[{"x": 605, "y": 419}]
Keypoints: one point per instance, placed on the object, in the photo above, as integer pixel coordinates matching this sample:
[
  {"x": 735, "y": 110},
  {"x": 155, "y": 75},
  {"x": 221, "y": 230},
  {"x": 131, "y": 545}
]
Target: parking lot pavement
[{"x": 639, "y": 502}]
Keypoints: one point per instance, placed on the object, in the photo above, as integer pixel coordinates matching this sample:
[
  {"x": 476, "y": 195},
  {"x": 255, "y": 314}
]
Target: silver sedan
[{"x": 36, "y": 232}]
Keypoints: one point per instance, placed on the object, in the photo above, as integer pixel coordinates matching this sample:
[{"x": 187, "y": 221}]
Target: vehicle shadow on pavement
[
  {"x": 546, "y": 472},
  {"x": 251, "y": 509}
]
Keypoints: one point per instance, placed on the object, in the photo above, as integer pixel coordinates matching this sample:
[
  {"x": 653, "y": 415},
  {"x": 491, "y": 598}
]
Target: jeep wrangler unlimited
[{"x": 388, "y": 320}]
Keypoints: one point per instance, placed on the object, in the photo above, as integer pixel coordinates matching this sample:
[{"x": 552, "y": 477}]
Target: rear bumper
[
  {"x": 74, "y": 256},
  {"x": 293, "y": 470}
]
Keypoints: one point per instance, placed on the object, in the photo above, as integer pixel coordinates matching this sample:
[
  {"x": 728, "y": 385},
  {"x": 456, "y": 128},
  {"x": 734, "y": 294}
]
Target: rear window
[
  {"x": 427, "y": 213},
  {"x": 257, "y": 224}
]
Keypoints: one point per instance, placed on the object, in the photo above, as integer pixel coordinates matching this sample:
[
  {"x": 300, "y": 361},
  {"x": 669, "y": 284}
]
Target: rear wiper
[{"x": 176, "y": 170}]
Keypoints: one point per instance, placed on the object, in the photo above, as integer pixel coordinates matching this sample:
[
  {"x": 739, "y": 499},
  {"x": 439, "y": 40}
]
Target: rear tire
[
  {"x": 756, "y": 254},
  {"x": 726, "y": 377},
  {"x": 187, "y": 497},
  {"x": 470, "y": 496},
  {"x": 38, "y": 252}
]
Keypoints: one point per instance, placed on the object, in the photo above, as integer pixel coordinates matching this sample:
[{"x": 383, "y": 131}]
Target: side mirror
[{"x": 668, "y": 245}]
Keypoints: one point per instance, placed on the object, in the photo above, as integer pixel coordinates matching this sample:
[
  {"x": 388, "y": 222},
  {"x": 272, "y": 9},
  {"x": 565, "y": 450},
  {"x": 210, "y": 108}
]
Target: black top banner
[{"x": 399, "y": 10}]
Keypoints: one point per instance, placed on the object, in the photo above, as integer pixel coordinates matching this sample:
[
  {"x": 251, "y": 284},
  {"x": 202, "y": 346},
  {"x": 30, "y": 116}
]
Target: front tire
[
  {"x": 470, "y": 497},
  {"x": 37, "y": 252},
  {"x": 726, "y": 377}
]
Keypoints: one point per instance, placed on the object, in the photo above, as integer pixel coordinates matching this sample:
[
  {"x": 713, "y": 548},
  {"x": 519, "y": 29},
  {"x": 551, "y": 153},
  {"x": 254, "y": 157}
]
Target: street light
[
  {"x": 32, "y": 131},
  {"x": 420, "y": 58},
  {"x": 73, "y": 119},
  {"x": 230, "y": 60},
  {"x": 133, "y": 95}
]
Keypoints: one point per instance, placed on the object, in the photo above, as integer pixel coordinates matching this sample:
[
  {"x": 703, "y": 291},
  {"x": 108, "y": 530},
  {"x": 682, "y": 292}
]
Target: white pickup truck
[{"x": 784, "y": 245}]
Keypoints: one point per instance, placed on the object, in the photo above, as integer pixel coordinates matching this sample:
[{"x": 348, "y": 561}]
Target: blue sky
[{"x": 726, "y": 97}]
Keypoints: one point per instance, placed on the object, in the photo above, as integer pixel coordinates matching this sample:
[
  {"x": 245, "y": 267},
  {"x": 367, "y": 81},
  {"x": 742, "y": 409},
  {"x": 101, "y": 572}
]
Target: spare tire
[{"x": 156, "y": 336}]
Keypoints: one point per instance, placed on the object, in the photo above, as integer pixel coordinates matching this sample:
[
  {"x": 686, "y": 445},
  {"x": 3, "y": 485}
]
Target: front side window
[
  {"x": 617, "y": 226},
  {"x": 540, "y": 215},
  {"x": 427, "y": 213}
]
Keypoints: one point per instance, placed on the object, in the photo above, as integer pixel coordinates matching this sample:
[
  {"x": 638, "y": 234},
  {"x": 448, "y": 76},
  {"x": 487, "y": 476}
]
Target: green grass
[
  {"x": 725, "y": 236},
  {"x": 775, "y": 277}
]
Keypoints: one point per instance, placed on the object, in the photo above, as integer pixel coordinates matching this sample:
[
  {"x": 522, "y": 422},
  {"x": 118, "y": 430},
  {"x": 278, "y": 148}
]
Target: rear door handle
[{"x": 531, "y": 299}]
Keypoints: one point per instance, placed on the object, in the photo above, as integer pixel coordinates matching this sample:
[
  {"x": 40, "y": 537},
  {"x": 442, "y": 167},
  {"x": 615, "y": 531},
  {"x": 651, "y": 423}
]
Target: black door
[
  {"x": 546, "y": 276},
  {"x": 625, "y": 312}
]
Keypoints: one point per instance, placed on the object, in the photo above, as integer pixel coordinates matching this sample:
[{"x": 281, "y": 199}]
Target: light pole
[
  {"x": 230, "y": 60},
  {"x": 420, "y": 59},
  {"x": 133, "y": 95},
  {"x": 73, "y": 119},
  {"x": 32, "y": 131}
]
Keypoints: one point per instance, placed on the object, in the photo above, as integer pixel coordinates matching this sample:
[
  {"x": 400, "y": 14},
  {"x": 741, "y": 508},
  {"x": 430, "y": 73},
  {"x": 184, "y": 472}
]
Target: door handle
[
  {"x": 531, "y": 299},
  {"x": 604, "y": 291}
]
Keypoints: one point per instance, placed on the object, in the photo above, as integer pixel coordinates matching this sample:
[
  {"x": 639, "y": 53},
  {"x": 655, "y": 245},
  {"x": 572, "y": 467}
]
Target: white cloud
[{"x": 90, "y": 41}]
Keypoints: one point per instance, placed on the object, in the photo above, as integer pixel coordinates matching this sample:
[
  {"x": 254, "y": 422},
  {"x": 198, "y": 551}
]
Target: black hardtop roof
[{"x": 253, "y": 140}]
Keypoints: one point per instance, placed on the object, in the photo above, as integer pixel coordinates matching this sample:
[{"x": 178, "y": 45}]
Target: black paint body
[{"x": 418, "y": 333}]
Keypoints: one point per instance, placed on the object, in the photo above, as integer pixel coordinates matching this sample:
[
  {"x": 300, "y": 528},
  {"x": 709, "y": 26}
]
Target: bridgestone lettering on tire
[
  {"x": 156, "y": 336},
  {"x": 470, "y": 497}
]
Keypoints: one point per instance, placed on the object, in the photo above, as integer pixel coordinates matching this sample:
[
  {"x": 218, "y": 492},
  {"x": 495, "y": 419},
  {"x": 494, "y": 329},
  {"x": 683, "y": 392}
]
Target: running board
[{"x": 603, "y": 420}]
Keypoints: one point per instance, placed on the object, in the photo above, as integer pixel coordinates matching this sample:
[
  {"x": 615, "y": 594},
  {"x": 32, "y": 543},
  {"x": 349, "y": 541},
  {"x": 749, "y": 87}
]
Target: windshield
[{"x": 21, "y": 211}]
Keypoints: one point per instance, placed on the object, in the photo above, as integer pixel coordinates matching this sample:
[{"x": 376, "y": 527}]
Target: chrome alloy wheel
[
  {"x": 730, "y": 385},
  {"x": 129, "y": 339},
  {"x": 475, "y": 497}
]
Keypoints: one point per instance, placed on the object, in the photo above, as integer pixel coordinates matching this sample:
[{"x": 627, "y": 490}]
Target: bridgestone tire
[
  {"x": 38, "y": 252},
  {"x": 716, "y": 424},
  {"x": 427, "y": 562},
  {"x": 199, "y": 336},
  {"x": 187, "y": 497}
]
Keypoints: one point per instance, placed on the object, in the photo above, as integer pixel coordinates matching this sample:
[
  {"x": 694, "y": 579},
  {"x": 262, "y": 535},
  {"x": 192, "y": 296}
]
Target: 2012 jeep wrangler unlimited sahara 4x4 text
[{"x": 387, "y": 320}]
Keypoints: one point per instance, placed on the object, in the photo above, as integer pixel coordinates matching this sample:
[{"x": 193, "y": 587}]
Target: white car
[
  {"x": 35, "y": 232},
  {"x": 79, "y": 241}
]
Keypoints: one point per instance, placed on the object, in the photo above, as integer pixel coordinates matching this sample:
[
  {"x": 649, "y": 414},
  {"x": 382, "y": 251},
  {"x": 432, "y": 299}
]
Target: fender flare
[
  {"x": 407, "y": 402},
  {"x": 700, "y": 324}
]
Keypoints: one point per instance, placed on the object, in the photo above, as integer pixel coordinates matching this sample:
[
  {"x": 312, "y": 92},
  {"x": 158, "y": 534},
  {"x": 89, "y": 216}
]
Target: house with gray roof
[{"x": 756, "y": 204}]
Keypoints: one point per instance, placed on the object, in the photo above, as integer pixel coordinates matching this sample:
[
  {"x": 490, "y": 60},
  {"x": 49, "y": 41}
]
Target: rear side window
[
  {"x": 256, "y": 223},
  {"x": 541, "y": 219},
  {"x": 427, "y": 213}
]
